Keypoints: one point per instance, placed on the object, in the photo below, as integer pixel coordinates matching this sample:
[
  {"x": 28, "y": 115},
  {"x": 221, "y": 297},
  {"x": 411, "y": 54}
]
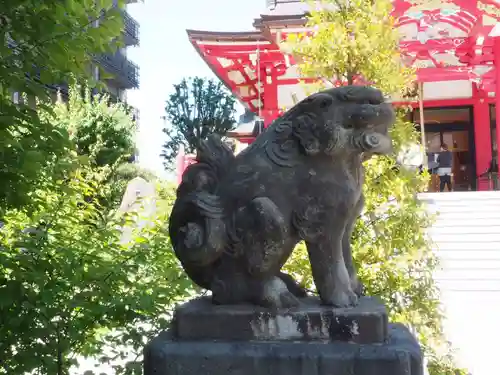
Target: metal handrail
[
  {"x": 119, "y": 65},
  {"x": 131, "y": 26},
  {"x": 274, "y": 3}
]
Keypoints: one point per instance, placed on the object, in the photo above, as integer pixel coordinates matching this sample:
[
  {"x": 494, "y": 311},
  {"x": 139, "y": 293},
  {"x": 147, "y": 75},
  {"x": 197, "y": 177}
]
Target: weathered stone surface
[
  {"x": 199, "y": 319},
  {"x": 400, "y": 355},
  {"x": 237, "y": 219}
]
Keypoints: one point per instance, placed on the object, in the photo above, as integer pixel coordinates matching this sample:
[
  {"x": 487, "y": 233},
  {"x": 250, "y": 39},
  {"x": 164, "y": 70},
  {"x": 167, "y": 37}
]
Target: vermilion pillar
[
  {"x": 269, "y": 115},
  {"x": 482, "y": 133},
  {"x": 270, "y": 112},
  {"x": 180, "y": 163},
  {"x": 496, "y": 50}
]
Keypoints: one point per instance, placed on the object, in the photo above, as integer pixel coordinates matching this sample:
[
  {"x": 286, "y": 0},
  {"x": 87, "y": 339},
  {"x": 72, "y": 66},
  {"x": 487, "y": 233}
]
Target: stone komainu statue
[{"x": 237, "y": 219}]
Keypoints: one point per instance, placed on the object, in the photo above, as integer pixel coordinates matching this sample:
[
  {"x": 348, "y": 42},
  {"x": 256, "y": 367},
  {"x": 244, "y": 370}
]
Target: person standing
[{"x": 445, "y": 161}]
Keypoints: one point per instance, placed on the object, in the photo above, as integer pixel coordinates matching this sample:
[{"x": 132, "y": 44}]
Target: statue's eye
[{"x": 325, "y": 103}]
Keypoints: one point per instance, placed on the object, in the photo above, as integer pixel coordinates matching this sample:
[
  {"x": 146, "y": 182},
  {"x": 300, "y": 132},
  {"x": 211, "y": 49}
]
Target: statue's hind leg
[
  {"x": 274, "y": 294},
  {"x": 233, "y": 287},
  {"x": 292, "y": 285},
  {"x": 266, "y": 242}
]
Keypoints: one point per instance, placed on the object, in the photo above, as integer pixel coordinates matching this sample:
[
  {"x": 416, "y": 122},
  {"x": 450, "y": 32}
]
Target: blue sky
[{"x": 165, "y": 56}]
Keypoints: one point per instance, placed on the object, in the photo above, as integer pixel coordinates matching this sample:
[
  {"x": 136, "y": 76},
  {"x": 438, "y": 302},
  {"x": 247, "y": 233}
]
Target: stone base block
[
  {"x": 199, "y": 319},
  {"x": 399, "y": 355}
]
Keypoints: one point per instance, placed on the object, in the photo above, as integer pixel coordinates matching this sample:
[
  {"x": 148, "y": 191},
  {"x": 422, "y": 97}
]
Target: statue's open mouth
[
  {"x": 377, "y": 143},
  {"x": 371, "y": 142},
  {"x": 370, "y": 124}
]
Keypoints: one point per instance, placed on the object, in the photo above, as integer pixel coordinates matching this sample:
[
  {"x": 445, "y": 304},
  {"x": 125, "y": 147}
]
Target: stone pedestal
[{"x": 310, "y": 340}]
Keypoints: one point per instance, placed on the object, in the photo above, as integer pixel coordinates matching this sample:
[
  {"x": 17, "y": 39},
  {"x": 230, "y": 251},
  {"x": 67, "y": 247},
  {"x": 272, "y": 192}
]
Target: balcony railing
[
  {"x": 131, "y": 29},
  {"x": 274, "y": 3},
  {"x": 125, "y": 73}
]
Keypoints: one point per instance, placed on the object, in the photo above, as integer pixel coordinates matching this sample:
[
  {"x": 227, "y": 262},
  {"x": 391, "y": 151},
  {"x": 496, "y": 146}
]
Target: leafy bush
[
  {"x": 43, "y": 44},
  {"x": 102, "y": 130},
  {"x": 69, "y": 287},
  {"x": 103, "y": 134}
]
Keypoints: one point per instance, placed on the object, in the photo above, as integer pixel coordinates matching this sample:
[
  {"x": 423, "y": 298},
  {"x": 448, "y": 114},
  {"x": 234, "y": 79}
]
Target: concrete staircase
[{"x": 466, "y": 238}]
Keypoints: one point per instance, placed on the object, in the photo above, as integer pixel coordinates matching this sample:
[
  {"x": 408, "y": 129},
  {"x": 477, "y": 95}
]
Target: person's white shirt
[{"x": 443, "y": 171}]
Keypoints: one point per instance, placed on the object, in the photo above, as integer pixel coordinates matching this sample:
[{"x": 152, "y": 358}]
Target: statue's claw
[
  {"x": 342, "y": 298},
  {"x": 276, "y": 295},
  {"x": 357, "y": 286}
]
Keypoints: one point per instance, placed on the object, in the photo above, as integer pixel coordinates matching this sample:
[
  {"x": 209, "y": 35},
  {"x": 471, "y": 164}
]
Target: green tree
[
  {"x": 103, "y": 133},
  {"x": 197, "y": 108},
  {"x": 70, "y": 288},
  {"x": 43, "y": 43},
  {"x": 354, "y": 42}
]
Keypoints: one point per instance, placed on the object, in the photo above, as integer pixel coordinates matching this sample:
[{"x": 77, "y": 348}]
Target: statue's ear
[
  {"x": 358, "y": 94},
  {"x": 321, "y": 102},
  {"x": 305, "y": 130},
  {"x": 310, "y": 121}
]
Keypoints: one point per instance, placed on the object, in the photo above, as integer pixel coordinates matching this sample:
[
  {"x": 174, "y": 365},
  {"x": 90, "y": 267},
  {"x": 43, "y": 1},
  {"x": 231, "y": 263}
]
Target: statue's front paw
[
  {"x": 357, "y": 286},
  {"x": 341, "y": 297}
]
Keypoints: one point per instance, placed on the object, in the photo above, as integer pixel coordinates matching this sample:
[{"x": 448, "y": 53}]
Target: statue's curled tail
[{"x": 197, "y": 226}]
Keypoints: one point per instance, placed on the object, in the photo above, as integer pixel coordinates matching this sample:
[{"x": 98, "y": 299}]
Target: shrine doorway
[{"x": 454, "y": 127}]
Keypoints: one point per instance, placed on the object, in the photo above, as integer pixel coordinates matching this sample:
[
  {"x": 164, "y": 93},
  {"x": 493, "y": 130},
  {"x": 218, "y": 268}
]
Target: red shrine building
[{"x": 452, "y": 44}]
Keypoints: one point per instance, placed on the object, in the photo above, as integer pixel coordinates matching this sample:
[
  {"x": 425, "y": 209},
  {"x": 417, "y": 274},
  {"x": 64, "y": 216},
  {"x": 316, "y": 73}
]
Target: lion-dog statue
[{"x": 237, "y": 219}]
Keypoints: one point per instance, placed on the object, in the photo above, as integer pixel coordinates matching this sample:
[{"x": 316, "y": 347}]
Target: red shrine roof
[
  {"x": 444, "y": 40},
  {"x": 451, "y": 50},
  {"x": 235, "y": 58}
]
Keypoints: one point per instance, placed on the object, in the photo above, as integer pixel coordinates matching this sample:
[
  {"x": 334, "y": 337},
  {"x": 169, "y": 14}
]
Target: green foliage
[
  {"x": 196, "y": 109},
  {"x": 48, "y": 42},
  {"x": 70, "y": 287},
  {"x": 101, "y": 130},
  {"x": 354, "y": 43},
  {"x": 102, "y": 133},
  {"x": 128, "y": 171},
  {"x": 357, "y": 43},
  {"x": 31, "y": 152}
]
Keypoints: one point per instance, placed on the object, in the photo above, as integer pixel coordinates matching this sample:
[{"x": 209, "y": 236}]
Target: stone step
[
  {"x": 471, "y": 239},
  {"x": 365, "y": 323},
  {"x": 469, "y": 255},
  {"x": 476, "y": 218},
  {"x": 460, "y": 196},
  {"x": 400, "y": 354},
  {"x": 481, "y": 264},
  {"x": 468, "y": 208},
  {"x": 470, "y": 285},
  {"x": 468, "y": 274},
  {"x": 452, "y": 245},
  {"x": 465, "y": 230}
]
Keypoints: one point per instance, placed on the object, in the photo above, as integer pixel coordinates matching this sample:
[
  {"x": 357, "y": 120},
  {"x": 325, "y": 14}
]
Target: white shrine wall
[{"x": 288, "y": 95}]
